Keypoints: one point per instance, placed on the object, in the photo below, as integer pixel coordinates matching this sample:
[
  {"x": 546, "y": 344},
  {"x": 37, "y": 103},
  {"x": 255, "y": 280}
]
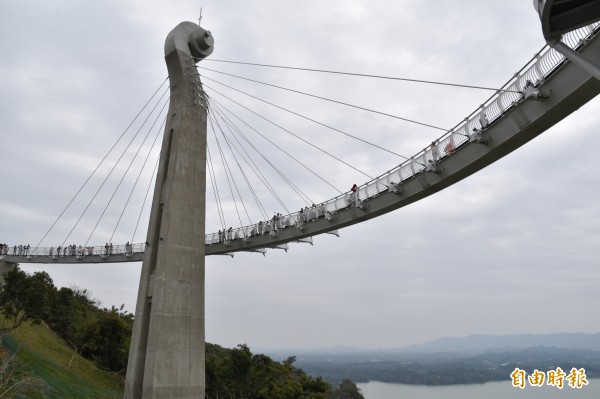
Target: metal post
[{"x": 575, "y": 57}]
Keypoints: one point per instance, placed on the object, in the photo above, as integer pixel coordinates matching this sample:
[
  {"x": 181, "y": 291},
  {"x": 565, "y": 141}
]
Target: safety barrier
[{"x": 78, "y": 252}]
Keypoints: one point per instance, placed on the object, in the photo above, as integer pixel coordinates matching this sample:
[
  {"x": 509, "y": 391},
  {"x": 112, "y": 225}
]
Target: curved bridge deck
[{"x": 544, "y": 92}]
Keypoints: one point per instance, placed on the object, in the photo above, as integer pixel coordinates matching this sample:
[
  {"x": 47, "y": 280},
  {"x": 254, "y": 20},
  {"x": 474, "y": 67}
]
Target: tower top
[{"x": 191, "y": 39}]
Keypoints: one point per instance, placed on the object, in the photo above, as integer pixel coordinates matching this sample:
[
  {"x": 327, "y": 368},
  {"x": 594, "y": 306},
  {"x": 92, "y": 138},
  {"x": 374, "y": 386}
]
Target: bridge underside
[{"x": 560, "y": 16}]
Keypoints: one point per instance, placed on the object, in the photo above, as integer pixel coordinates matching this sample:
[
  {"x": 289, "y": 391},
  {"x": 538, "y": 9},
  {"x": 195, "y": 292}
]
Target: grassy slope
[{"x": 54, "y": 371}]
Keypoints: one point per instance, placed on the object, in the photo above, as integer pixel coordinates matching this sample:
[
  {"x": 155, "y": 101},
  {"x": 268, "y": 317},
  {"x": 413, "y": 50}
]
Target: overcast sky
[{"x": 513, "y": 249}]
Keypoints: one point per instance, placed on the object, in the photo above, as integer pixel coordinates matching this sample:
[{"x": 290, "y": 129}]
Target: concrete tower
[{"x": 166, "y": 359}]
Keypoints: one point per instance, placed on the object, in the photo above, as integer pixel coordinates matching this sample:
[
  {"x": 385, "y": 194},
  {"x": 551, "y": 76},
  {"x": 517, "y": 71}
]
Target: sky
[{"x": 512, "y": 249}]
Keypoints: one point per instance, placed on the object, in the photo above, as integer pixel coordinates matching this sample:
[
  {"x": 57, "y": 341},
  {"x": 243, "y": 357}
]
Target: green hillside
[
  {"x": 45, "y": 329},
  {"x": 36, "y": 364},
  {"x": 39, "y": 365}
]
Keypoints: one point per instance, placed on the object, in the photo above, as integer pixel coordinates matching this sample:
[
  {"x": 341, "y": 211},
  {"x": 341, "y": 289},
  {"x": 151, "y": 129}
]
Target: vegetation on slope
[
  {"x": 47, "y": 333},
  {"x": 98, "y": 334},
  {"x": 45, "y": 367},
  {"x": 37, "y": 364},
  {"x": 237, "y": 373}
]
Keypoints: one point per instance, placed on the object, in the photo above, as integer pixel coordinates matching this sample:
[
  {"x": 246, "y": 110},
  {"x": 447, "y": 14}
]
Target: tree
[
  {"x": 25, "y": 297},
  {"x": 106, "y": 338},
  {"x": 346, "y": 390},
  {"x": 237, "y": 373},
  {"x": 69, "y": 314}
]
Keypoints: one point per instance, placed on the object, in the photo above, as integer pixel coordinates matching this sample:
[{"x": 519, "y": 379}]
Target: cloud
[{"x": 503, "y": 251}]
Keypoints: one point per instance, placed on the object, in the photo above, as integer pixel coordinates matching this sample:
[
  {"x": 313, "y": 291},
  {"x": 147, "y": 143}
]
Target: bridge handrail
[
  {"x": 540, "y": 67},
  {"x": 80, "y": 252}
]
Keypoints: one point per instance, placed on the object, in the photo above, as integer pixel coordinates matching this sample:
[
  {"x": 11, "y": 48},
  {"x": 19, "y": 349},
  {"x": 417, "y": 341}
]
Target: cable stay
[
  {"x": 215, "y": 187},
  {"x": 256, "y": 199},
  {"x": 362, "y": 75},
  {"x": 125, "y": 175},
  {"x": 214, "y": 113},
  {"x": 333, "y": 101},
  {"x": 255, "y": 168},
  {"x": 214, "y": 122},
  {"x": 293, "y": 134},
  {"x": 295, "y": 188},
  {"x": 233, "y": 128},
  {"x": 100, "y": 164},
  {"x": 275, "y": 145},
  {"x": 160, "y": 129},
  {"x": 228, "y": 173},
  {"x": 325, "y": 125},
  {"x": 145, "y": 199},
  {"x": 110, "y": 173}
]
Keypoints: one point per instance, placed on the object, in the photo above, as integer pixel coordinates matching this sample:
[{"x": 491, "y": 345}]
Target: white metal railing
[
  {"x": 543, "y": 64},
  {"x": 73, "y": 250}
]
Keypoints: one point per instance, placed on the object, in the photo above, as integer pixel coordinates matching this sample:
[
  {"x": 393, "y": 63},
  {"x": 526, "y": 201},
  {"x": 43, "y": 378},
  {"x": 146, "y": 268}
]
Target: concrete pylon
[{"x": 167, "y": 357}]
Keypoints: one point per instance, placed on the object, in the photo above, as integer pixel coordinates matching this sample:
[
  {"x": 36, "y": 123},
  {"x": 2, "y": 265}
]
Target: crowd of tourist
[
  {"x": 277, "y": 222},
  {"x": 18, "y": 250},
  {"x": 69, "y": 250}
]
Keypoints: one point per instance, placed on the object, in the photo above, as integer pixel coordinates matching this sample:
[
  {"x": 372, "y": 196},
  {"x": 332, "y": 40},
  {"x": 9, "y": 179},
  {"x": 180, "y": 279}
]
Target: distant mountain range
[
  {"x": 449, "y": 368},
  {"x": 446, "y": 361},
  {"x": 468, "y": 345},
  {"x": 482, "y": 343}
]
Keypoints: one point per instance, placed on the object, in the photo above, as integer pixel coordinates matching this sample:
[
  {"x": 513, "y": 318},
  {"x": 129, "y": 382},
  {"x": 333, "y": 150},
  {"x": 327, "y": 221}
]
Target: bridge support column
[
  {"x": 575, "y": 57},
  {"x": 167, "y": 354}
]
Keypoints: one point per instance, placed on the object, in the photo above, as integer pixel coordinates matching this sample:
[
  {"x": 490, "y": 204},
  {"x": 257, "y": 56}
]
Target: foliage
[
  {"x": 70, "y": 313},
  {"x": 26, "y": 297},
  {"x": 101, "y": 335},
  {"x": 106, "y": 339},
  {"x": 237, "y": 373},
  {"x": 346, "y": 390}
]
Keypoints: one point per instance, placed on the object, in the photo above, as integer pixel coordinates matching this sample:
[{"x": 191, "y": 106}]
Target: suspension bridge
[{"x": 540, "y": 94}]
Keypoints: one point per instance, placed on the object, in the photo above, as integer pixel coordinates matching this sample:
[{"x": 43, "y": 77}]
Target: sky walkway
[{"x": 542, "y": 93}]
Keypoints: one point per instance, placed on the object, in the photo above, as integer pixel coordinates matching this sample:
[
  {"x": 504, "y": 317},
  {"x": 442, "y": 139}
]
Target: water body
[{"x": 490, "y": 390}]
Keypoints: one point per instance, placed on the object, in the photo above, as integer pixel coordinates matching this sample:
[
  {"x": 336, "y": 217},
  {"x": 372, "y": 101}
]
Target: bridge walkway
[{"x": 542, "y": 93}]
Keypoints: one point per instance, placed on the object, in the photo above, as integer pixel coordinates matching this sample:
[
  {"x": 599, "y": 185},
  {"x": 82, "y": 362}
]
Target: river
[{"x": 490, "y": 390}]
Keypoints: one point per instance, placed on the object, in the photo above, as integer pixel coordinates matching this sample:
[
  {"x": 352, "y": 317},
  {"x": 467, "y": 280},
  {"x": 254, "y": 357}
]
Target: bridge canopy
[{"x": 561, "y": 16}]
